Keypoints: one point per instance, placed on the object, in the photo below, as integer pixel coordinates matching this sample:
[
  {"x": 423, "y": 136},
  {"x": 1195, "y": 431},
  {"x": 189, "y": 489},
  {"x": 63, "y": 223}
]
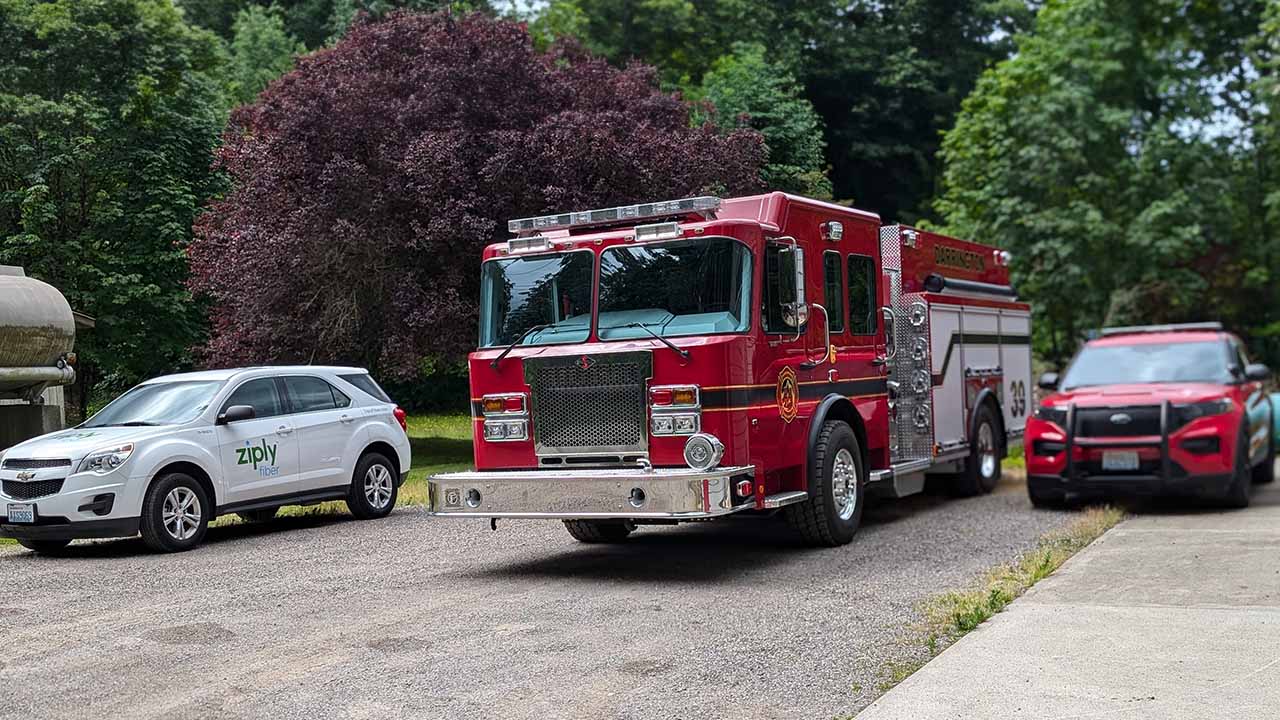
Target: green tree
[
  {"x": 109, "y": 112},
  {"x": 886, "y": 77},
  {"x": 261, "y": 51},
  {"x": 346, "y": 11},
  {"x": 747, "y": 89},
  {"x": 1113, "y": 155}
]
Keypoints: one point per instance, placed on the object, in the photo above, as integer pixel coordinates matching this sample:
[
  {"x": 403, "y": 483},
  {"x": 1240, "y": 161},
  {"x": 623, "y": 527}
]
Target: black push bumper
[
  {"x": 59, "y": 528},
  {"x": 1126, "y": 486}
]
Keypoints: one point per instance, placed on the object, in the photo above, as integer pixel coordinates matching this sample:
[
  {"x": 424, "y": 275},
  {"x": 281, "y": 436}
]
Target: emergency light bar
[
  {"x": 1181, "y": 327},
  {"x": 706, "y": 205}
]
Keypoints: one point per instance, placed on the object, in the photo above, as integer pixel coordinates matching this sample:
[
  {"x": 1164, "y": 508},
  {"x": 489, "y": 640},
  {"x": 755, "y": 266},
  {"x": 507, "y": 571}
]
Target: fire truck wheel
[
  {"x": 599, "y": 531},
  {"x": 982, "y": 469},
  {"x": 831, "y": 515}
]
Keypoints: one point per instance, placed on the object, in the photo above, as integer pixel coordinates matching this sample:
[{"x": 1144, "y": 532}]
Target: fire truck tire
[
  {"x": 830, "y": 517},
  {"x": 982, "y": 469},
  {"x": 1238, "y": 494},
  {"x": 599, "y": 531}
]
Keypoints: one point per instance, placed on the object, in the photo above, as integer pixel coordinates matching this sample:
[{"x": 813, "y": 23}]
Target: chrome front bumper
[{"x": 660, "y": 493}]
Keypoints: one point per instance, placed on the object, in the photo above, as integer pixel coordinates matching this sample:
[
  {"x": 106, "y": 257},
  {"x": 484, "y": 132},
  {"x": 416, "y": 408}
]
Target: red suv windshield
[{"x": 1149, "y": 363}]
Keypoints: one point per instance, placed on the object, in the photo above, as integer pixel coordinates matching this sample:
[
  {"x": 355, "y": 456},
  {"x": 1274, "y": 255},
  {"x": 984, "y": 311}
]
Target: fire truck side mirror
[
  {"x": 1049, "y": 381},
  {"x": 796, "y": 312}
]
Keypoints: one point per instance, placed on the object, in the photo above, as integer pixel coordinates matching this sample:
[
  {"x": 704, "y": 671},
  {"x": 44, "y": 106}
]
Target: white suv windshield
[
  {"x": 1149, "y": 363},
  {"x": 171, "y": 403}
]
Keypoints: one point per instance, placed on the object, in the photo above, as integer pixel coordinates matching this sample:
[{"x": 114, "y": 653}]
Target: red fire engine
[{"x": 697, "y": 358}]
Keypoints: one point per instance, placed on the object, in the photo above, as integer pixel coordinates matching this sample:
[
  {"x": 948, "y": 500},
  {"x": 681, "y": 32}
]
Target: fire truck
[{"x": 700, "y": 358}]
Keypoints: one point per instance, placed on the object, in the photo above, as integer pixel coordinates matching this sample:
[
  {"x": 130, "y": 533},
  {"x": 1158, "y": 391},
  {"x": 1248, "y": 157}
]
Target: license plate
[
  {"x": 22, "y": 513},
  {"x": 1113, "y": 460}
]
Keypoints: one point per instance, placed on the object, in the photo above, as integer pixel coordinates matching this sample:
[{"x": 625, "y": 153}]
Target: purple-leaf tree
[{"x": 367, "y": 181}]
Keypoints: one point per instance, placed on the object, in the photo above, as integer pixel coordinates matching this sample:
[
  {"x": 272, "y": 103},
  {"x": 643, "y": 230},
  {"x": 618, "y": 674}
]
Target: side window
[
  {"x": 260, "y": 394},
  {"x": 779, "y": 286},
  {"x": 309, "y": 394},
  {"x": 833, "y": 289},
  {"x": 339, "y": 399},
  {"x": 862, "y": 295},
  {"x": 366, "y": 383}
]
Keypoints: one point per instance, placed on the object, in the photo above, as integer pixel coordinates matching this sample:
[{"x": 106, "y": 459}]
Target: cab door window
[
  {"x": 260, "y": 394},
  {"x": 311, "y": 394},
  {"x": 833, "y": 289},
  {"x": 779, "y": 288},
  {"x": 862, "y": 295}
]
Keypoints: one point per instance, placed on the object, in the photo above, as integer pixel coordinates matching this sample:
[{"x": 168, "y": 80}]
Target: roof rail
[{"x": 1180, "y": 327}]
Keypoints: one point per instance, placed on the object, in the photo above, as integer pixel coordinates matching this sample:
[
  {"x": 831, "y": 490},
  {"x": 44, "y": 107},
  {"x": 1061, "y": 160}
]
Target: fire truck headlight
[
  {"x": 703, "y": 451},
  {"x": 505, "y": 430},
  {"x": 663, "y": 425}
]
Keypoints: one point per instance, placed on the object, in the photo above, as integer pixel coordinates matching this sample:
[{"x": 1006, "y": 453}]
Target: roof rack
[{"x": 1180, "y": 327}]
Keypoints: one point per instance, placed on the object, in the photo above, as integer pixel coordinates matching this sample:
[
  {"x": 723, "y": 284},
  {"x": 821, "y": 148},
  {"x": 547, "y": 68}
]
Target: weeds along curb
[{"x": 951, "y": 615}]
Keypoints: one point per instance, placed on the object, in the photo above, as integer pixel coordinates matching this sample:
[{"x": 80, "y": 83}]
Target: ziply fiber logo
[{"x": 255, "y": 454}]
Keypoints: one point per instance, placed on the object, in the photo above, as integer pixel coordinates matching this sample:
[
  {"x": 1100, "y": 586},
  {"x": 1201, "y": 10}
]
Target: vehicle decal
[
  {"x": 788, "y": 394},
  {"x": 262, "y": 457}
]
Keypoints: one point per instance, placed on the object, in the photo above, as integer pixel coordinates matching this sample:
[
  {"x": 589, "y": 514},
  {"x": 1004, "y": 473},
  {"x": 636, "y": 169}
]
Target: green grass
[{"x": 1016, "y": 460}]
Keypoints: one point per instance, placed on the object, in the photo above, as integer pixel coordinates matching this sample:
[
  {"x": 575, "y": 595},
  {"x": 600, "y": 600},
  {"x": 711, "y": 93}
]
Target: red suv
[{"x": 1171, "y": 409}]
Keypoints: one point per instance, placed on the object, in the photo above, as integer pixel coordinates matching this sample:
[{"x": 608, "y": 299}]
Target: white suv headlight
[{"x": 105, "y": 461}]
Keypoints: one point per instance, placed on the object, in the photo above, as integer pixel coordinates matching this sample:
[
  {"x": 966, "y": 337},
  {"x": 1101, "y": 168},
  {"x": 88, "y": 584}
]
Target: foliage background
[{"x": 1123, "y": 149}]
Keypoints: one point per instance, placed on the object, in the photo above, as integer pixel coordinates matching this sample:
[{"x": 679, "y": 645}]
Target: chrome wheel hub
[
  {"x": 378, "y": 485},
  {"x": 181, "y": 513},
  {"x": 844, "y": 484},
  {"x": 986, "y": 450}
]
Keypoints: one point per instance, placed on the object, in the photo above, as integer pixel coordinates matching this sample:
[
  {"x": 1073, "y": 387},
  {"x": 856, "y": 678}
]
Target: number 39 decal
[{"x": 1017, "y": 398}]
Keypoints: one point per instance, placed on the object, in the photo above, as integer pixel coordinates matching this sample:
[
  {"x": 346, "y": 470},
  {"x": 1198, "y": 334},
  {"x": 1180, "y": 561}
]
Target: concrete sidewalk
[{"x": 1169, "y": 615}]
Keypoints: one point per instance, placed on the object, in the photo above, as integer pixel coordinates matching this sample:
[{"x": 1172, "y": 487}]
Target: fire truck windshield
[
  {"x": 520, "y": 293},
  {"x": 1148, "y": 363},
  {"x": 685, "y": 287}
]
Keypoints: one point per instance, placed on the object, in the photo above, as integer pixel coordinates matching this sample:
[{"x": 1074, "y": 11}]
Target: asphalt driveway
[{"x": 427, "y": 618}]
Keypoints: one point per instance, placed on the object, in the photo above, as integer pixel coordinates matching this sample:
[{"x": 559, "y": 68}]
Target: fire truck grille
[
  {"x": 1118, "y": 422},
  {"x": 585, "y": 404}
]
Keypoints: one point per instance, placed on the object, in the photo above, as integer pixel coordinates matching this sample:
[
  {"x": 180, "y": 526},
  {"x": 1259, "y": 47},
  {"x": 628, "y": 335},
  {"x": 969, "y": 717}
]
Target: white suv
[{"x": 173, "y": 453}]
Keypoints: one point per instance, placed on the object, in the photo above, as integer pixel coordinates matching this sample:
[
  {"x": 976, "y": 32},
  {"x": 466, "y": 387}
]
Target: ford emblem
[{"x": 1121, "y": 419}]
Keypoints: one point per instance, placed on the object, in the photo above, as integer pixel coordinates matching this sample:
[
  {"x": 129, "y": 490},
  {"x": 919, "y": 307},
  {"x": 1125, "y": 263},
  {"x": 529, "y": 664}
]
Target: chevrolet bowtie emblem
[{"x": 26, "y": 475}]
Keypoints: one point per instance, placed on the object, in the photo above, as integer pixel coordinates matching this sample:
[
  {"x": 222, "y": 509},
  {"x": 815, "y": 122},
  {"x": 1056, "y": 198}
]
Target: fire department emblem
[
  {"x": 584, "y": 363},
  {"x": 788, "y": 394}
]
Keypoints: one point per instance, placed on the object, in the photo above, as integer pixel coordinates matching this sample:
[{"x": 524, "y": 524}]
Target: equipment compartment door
[{"x": 911, "y": 383}]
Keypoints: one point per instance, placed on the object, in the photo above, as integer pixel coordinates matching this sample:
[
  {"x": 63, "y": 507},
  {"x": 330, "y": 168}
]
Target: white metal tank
[{"x": 37, "y": 331}]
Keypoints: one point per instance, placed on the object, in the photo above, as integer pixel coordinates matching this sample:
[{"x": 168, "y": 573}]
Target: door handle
[
  {"x": 346, "y": 419},
  {"x": 284, "y": 430}
]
